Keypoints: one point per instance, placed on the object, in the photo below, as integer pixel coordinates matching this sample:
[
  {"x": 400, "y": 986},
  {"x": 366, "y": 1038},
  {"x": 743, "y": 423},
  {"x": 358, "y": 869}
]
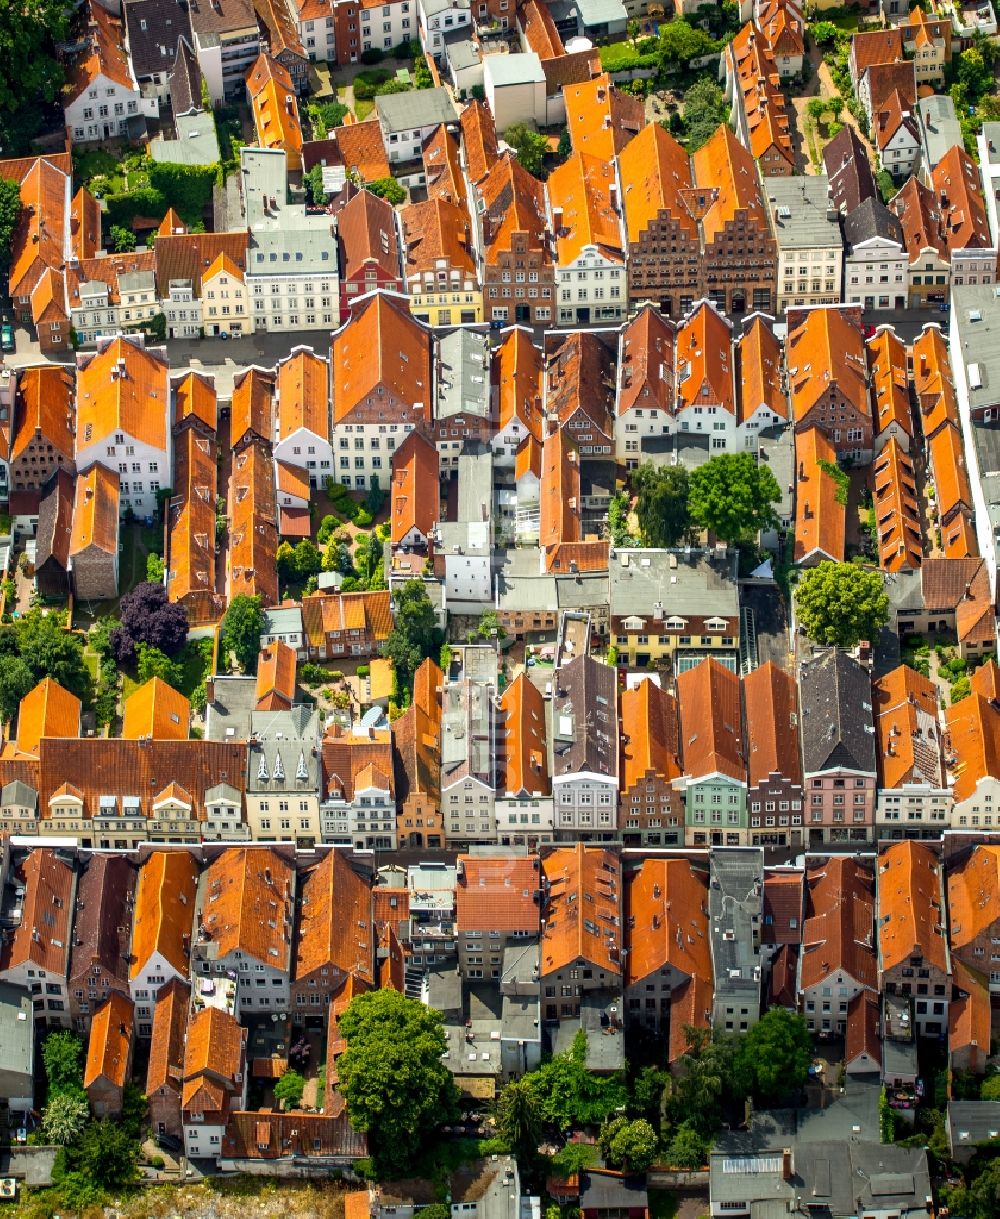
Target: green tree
[
  {"x": 630, "y": 1145},
  {"x": 415, "y": 634},
  {"x": 62, "y": 1054},
  {"x": 49, "y": 650},
  {"x": 704, "y": 110},
  {"x": 687, "y": 1149},
  {"x": 285, "y": 561},
  {"x": 825, "y": 33},
  {"x": 154, "y": 569},
  {"x": 570, "y": 1095},
  {"x": 662, "y": 503},
  {"x": 389, "y": 190},
  {"x": 314, "y": 184},
  {"x": 618, "y": 519},
  {"x": 65, "y": 1116},
  {"x": 436, "y": 1210},
  {"x": 151, "y": 662},
  {"x": 991, "y": 1088},
  {"x": 519, "y": 1119},
  {"x": 960, "y": 689},
  {"x": 490, "y": 627},
  {"x": 680, "y": 42},
  {"x": 107, "y": 1153},
  {"x": 565, "y": 145},
  {"x": 289, "y": 1089},
  {"x": 713, "y": 1081},
  {"x": 778, "y": 1049},
  {"x": 122, "y": 239},
  {"x": 529, "y": 147},
  {"x": 241, "y": 630},
  {"x": 10, "y": 216},
  {"x": 29, "y": 73},
  {"x": 974, "y": 73},
  {"x": 398, "y": 1089},
  {"x": 573, "y": 1158},
  {"x": 886, "y": 186},
  {"x": 839, "y": 604},
  {"x": 733, "y": 496},
  {"x": 647, "y": 1092},
  {"x": 307, "y": 559},
  {"x": 980, "y": 1199},
  {"x": 16, "y": 679}
]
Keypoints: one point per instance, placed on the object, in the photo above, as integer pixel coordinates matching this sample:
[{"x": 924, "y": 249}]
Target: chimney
[{"x": 786, "y": 1164}]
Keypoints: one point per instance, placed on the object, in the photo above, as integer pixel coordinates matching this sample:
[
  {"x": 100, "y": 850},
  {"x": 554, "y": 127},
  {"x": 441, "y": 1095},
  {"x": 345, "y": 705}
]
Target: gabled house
[
  {"x": 644, "y": 397},
  {"x": 93, "y": 545},
  {"x": 897, "y": 510},
  {"x": 914, "y": 961},
  {"x": 41, "y": 441},
  {"x": 513, "y": 225},
  {"x": 47, "y": 710},
  {"x": 214, "y": 1080},
  {"x": 416, "y": 742},
  {"x": 253, "y": 535},
  {"x": 714, "y": 779},
  {"x": 838, "y": 959},
  {"x": 102, "y": 100},
  {"x": 774, "y": 764},
  {"x": 890, "y": 395},
  {"x": 913, "y": 793},
  {"x": 759, "y": 115},
  {"x": 302, "y": 416},
  {"x": 650, "y": 804},
  {"x": 53, "y": 536},
  {"x": 98, "y": 965},
  {"x": 368, "y": 247},
  {"x": 820, "y": 504},
  {"x": 109, "y": 1055},
  {"x": 974, "y": 913},
  {"x": 162, "y": 927},
  {"x": 585, "y": 749},
  {"x": 827, "y": 375},
  {"x": 415, "y": 495},
  {"x": 335, "y": 939},
  {"x": 35, "y": 954},
  {"x": 190, "y": 563},
  {"x": 358, "y": 805},
  {"x": 973, "y": 752},
  {"x": 523, "y": 806},
  {"x": 838, "y": 747},
  {"x": 166, "y": 1058}
]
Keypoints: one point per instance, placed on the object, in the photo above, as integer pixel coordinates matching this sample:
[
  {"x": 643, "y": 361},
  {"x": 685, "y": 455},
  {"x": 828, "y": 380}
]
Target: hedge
[
  {"x": 623, "y": 57},
  {"x": 188, "y": 188}
]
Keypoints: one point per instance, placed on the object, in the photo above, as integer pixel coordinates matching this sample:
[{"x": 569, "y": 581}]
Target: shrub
[
  {"x": 363, "y": 518},
  {"x": 363, "y": 670},
  {"x": 312, "y": 674},
  {"x": 372, "y": 55},
  {"x": 158, "y": 1162},
  {"x": 367, "y": 83}
]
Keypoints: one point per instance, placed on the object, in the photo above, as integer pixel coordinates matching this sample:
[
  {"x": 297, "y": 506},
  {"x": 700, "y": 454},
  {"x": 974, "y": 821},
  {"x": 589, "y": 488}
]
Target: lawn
[
  {"x": 363, "y": 107},
  {"x": 137, "y": 541}
]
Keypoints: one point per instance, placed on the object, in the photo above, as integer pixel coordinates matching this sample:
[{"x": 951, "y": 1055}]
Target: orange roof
[
  {"x": 275, "y": 676},
  {"x": 194, "y": 397},
  {"x": 501, "y": 894},
  {"x": 252, "y": 409},
  {"x": 690, "y": 1007},
  {"x": 213, "y": 1057},
  {"x": 951, "y": 479},
  {"x": 666, "y": 906},
  {"x": 711, "y": 721},
  {"x": 970, "y": 1017},
  {"x": 415, "y": 488},
  {"x": 648, "y": 736},
  {"x": 43, "y": 936},
  {"x": 601, "y": 120},
  {"x": 325, "y": 612},
  {"x": 156, "y": 712},
  {"x": 110, "y": 1045},
  {"x": 104, "y": 55},
  {"x": 580, "y": 196},
  {"x": 479, "y": 139},
  {"x": 223, "y": 264},
  {"x": 513, "y": 202},
  {"x": 362, "y": 149},
  {"x": 46, "y": 711},
  {"x": 335, "y": 921},
  {"x": 253, "y": 538},
  {"x": 825, "y": 347},
  {"x": 44, "y": 409},
  {"x": 559, "y": 512},
  {"x": 655, "y": 172},
  {"x": 705, "y": 360},
  {"x": 910, "y": 906},
  {"x": 916, "y": 208},
  {"x": 366, "y": 230},
  {"x": 727, "y": 173},
  {"x": 646, "y": 361},
  {"x": 570, "y": 558},
  {"x": 292, "y": 480},
  {"x": 38, "y": 243},
  {"x": 906, "y": 721},
  {"x": 85, "y": 224},
  {"x": 303, "y": 390},
  {"x": 962, "y": 210},
  {"x": 772, "y": 715},
  {"x": 443, "y": 168},
  {"x": 574, "y": 932},
  {"x": 355, "y": 761},
  {"x": 166, "y": 1045},
  {"x": 523, "y": 755},
  {"x": 974, "y": 895},
  {"x": 164, "y": 910},
  {"x": 247, "y": 895},
  {"x": 838, "y": 931},
  {"x": 897, "y": 512},
  {"x": 517, "y": 380},
  {"x": 862, "y": 1032},
  {"x": 820, "y": 519},
  {"x": 434, "y": 231},
  {"x": 539, "y": 30},
  {"x": 781, "y": 26},
  {"x": 875, "y": 47},
  {"x": 107, "y": 269},
  {"x": 122, "y": 388},
  {"x": 275, "y": 108},
  {"x": 381, "y": 350},
  {"x": 933, "y": 382},
  {"x": 756, "y": 74},
  {"x": 890, "y": 387},
  {"x": 974, "y": 742},
  {"x": 191, "y": 551},
  {"x": 95, "y": 512},
  {"x": 959, "y": 537},
  {"x": 760, "y": 364}
]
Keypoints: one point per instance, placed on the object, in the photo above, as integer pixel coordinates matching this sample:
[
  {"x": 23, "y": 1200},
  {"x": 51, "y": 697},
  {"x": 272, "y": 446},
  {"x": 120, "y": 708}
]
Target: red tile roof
[{"x": 500, "y": 894}]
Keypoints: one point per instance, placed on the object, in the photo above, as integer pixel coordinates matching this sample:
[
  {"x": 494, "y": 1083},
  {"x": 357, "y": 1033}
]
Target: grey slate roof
[
  {"x": 973, "y": 1121},
  {"x": 184, "y": 85},
  {"x": 18, "y": 794},
  {"x": 283, "y": 753},
  {"x": 411, "y": 111},
  {"x": 849, "y": 171},
  {"x": 872, "y": 219},
  {"x": 584, "y": 727},
  {"x": 803, "y": 213},
  {"x": 154, "y": 29},
  {"x": 17, "y": 1032},
  {"x": 462, "y": 375},
  {"x": 835, "y": 701}
]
